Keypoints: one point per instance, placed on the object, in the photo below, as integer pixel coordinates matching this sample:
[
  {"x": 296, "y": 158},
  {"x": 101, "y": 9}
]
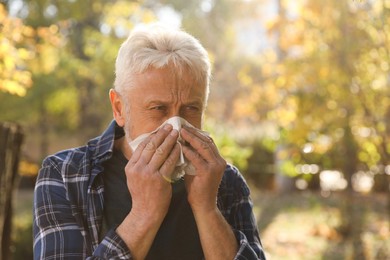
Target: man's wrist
[{"x": 138, "y": 232}]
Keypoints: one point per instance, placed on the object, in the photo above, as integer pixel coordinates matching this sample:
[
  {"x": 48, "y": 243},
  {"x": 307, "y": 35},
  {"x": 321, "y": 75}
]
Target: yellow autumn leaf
[
  {"x": 12, "y": 87},
  {"x": 24, "y": 54},
  {"x": 9, "y": 63},
  {"x": 28, "y": 31},
  {"x": 23, "y": 77},
  {"x": 48, "y": 58}
]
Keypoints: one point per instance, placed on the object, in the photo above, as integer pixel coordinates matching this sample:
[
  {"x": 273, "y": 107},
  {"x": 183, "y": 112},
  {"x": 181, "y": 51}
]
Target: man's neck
[{"x": 122, "y": 145}]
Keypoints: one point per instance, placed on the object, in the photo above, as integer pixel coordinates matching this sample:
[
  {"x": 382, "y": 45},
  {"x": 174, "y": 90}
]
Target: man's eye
[
  {"x": 162, "y": 108},
  {"x": 192, "y": 108}
]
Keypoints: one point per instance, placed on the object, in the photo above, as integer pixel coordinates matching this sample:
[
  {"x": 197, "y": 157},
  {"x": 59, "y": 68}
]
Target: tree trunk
[
  {"x": 11, "y": 138},
  {"x": 89, "y": 120}
]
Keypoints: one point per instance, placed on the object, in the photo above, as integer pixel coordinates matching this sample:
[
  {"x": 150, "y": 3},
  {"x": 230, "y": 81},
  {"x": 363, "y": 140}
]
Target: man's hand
[
  {"x": 202, "y": 188},
  {"x": 216, "y": 236},
  {"x": 150, "y": 192},
  {"x": 155, "y": 157}
]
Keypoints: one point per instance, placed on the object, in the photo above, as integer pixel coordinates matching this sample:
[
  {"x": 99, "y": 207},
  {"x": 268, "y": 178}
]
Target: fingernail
[{"x": 168, "y": 127}]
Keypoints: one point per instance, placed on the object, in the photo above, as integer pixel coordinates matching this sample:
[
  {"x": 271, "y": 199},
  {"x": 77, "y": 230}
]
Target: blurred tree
[
  {"x": 76, "y": 44},
  {"x": 214, "y": 23},
  {"x": 330, "y": 93},
  {"x": 14, "y": 54},
  {"x": 321, "y": 87},
  {"x": 83, "y": 61}
]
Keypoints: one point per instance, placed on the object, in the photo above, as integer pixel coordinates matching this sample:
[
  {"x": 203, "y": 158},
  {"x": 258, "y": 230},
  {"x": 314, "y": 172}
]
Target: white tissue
[{"x": 183, "y": 166}]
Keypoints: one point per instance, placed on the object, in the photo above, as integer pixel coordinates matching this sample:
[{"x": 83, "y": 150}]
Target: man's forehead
[
  {"x": 163, "y": 82},
  {"x": 168, "y": 95}
]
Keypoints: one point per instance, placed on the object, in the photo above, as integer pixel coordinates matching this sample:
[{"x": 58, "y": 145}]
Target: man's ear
[{"x": 118, "y": 108}]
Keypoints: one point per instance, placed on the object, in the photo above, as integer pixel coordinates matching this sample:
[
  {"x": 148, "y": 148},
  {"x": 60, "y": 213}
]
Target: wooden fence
[{"x": 11, "y": 138}]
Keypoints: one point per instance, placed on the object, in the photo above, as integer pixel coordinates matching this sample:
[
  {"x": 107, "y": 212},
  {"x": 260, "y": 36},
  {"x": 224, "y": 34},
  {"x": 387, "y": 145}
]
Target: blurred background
[{"x": 300, "y": 102}]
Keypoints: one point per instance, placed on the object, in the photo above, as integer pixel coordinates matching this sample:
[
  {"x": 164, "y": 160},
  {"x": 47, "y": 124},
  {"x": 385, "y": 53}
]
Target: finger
[
  {"x": 169, "y": 164},
  {"x": 163, "y": 152},
  {"x": 155, "y": 141},
  {"x": 193, "y": 156},
  {"x": 137, "y": 153},
  {"x": 201, "y": 143},
  {"x": 204, "y": 136}
]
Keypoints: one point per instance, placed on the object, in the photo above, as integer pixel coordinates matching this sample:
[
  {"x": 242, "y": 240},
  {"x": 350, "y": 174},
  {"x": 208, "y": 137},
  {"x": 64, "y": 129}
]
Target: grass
[
  {"x": 310, "y": 226},
  {"x": 302, "y": 225}
]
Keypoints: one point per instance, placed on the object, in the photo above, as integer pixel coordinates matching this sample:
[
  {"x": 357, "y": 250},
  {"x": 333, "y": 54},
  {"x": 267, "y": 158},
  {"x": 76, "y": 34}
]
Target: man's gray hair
[{"x": 157, "y": 46}]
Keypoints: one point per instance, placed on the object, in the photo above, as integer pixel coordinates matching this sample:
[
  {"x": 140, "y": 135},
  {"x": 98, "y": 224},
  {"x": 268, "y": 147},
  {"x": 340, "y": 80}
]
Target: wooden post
[{"x": 11, "y": 138}]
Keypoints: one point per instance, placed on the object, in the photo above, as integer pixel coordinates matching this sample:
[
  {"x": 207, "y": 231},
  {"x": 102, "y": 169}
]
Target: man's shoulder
[
  {"x": 233, "y": 190},
  {"x": 233, "y": 181},
  {"x": 74, "y": 157},
  {"x": 95, "y": 150},
  {"x": 231, "y": 173}
]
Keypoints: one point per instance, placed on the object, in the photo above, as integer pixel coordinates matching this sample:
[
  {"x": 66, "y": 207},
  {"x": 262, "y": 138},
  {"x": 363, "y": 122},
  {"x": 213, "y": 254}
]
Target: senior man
[{"x": 153, "y": 185}]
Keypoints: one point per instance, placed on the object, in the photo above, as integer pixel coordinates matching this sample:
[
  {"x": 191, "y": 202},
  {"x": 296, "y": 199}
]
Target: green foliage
[
  {"x": 72, "y": 67},
  {"x": 261, "y": 165},
  {"x": 288, "y": 168},
  {"x": 318, "y": 82},
  {"x": 14, "y": 54},
  {"x": 230, "y": 149},
  {"x": 325, "y": 83}
]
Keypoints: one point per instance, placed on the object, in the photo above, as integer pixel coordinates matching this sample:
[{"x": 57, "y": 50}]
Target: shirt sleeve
[
  {"x": 247, "y": 236},
  {"x": 238, "y": 210},
  {"x": 60, "y": 229},
  {"x": 112, "y": 246}
]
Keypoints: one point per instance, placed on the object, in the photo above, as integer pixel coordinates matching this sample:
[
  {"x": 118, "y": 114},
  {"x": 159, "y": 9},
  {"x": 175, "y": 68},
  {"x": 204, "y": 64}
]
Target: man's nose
[{"x": 174, "y": 112}]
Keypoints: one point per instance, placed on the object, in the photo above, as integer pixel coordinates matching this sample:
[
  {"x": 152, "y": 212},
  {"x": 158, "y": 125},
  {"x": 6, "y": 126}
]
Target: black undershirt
[{"x": 177, "y": 237}]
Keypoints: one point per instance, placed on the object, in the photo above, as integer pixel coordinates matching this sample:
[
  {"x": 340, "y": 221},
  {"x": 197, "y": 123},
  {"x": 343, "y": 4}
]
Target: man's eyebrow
[
  {"x": 156, "y": 101},
  {"x": 194, "y": 103}
]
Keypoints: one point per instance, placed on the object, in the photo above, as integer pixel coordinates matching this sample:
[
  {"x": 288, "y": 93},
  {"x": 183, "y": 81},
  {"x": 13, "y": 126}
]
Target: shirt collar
[{"x": 103, "y": 145}]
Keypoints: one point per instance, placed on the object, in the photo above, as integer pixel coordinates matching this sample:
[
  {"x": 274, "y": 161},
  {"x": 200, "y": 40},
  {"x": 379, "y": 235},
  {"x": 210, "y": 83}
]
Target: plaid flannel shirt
[{"x": 69, "y": 200}]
